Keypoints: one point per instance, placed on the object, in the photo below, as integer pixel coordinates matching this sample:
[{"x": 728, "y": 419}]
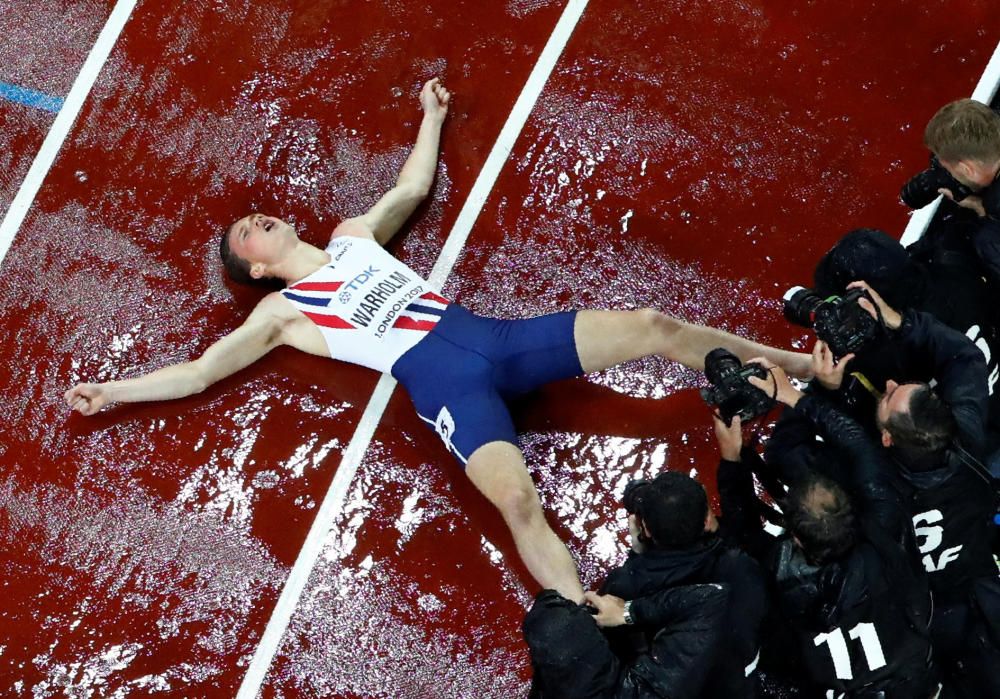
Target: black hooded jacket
[
  {"x": 572, "y": 659},
  {"x": 712, "y": 560}
]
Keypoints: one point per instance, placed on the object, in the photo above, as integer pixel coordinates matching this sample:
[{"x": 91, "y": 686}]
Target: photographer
[
  {"x": 951, "y": 500},
  {"x": 678, "y": 541},
  {"x": 964, "y": 138},
  {"x": 948, "y": 286},
  {"x": 845, "y": 577},
  {"x": 928, "y": 435},
  {"x": 571, "y": 658}
]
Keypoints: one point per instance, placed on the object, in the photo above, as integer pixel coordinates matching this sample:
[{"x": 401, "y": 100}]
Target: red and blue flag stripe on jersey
[
  {"x": 326, "y": 320},
  {"x": 422, "y": 314}
]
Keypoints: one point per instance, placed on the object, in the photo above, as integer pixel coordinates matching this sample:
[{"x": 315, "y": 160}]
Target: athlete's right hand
[{"x": 87, "y": 398}]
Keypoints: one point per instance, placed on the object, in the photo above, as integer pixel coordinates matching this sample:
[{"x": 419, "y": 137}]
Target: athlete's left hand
[
  {"x": 87, "y": 398},
  {"x": 434, "y": 99}
]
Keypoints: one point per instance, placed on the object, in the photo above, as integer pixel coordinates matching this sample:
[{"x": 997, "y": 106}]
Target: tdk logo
[{"x": 360, "y": 280}]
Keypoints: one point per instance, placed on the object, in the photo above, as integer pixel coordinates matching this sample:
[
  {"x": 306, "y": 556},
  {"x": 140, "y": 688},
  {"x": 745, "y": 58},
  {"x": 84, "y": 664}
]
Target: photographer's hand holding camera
[{"x": 742, "y": 511}]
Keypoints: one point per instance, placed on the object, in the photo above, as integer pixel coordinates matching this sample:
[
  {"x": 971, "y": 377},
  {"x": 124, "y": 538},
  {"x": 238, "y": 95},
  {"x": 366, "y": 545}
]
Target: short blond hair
[{"x": 964, "y": 130}]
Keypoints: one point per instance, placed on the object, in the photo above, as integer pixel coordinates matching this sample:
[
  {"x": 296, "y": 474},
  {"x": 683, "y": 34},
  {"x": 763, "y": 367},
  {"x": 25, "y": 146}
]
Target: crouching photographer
[
  {"x": 571, "y": 657},
  {"x": 677, "y": 541},
  {"x": 852, "y": 598},
  {"x": 931, "y": 437}
]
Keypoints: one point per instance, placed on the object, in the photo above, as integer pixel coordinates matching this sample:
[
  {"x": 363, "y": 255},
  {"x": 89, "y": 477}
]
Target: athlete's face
[{"x": 261, "y": 239}]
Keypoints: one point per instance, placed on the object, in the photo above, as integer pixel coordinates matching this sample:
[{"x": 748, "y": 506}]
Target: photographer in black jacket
[
  {"x": 932, "y": 437},
  {"x": 944, "y": 283},
  {"x": 573, "y": 660},
  {"x": 845, "y": 576},
  {"x": 678, "y": 541},
  {"x": 964, "y": 139}
]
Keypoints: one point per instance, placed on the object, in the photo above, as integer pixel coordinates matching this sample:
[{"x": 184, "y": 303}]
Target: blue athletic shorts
[{"x": 459, "y": 376}]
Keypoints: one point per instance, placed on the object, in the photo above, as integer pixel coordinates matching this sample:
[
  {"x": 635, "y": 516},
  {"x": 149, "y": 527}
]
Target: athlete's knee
[
  {"x": 656, "y": 324},
  {"x": 520, "y": 506}
]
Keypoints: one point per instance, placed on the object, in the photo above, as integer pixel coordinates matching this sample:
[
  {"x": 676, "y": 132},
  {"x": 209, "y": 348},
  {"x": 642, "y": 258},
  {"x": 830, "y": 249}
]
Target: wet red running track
[{"x": 696, "y": 158}]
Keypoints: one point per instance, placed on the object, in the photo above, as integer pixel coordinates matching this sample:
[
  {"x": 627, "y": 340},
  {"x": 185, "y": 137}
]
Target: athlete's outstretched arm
[
  {"x": 262, "y": 332},
  {"x": 415, "y": 178}
]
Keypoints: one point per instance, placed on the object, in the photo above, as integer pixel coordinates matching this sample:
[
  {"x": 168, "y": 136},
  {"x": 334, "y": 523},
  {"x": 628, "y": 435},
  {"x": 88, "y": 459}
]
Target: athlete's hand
[
  {"x": 87, "y": 398},
  {"x": 434, "y": 99}
]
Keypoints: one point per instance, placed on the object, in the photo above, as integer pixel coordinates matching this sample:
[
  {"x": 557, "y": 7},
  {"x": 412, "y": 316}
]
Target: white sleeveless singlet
[{"x": 369, "y": 306}]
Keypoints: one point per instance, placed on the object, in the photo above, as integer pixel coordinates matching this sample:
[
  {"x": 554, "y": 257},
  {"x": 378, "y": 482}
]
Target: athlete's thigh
[
  {"x": 464, "y": 417},
  {"x": 529, "y": 353},
  {"x": 607, "y": 338}
]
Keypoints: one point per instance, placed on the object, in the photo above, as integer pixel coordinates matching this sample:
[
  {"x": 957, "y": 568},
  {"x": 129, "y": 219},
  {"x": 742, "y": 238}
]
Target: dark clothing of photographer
[
  {"x": 922, "y": 349},
  {"x": 858, "y": 623},
  {"x": 711, "y": 560},
  {"x": 573, "y": 660},
  {"x": 949, "y": 496},
  {"x": 952, "y": 506},
  {"x": 936, "y": 275}
]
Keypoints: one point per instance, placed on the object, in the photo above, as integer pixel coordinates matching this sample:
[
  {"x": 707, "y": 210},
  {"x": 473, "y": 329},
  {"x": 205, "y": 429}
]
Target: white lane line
[
  {"x": 984, "y": 92},
  {"x": 54, "y": 140},
  {"x": 505, "y": 141},
  {"x": 333, "y": 502}
]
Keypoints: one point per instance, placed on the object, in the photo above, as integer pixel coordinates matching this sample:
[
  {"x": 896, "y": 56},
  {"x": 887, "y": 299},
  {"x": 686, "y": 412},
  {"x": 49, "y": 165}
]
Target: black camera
[
  {"x": 730, "y": 390},
  {"x": 923, "y": 187},
  {"x": 838, "y": 320},
  {"x": 633, "y": 494}
]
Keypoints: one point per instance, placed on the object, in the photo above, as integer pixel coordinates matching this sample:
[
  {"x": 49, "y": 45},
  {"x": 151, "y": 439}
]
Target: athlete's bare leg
[
  {"x": 498, "y": 470},
  {"x": 606, "y": 338}
]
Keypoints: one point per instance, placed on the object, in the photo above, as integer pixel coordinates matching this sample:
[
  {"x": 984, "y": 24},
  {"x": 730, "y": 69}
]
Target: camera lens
[{"x": 800, "y": 304}]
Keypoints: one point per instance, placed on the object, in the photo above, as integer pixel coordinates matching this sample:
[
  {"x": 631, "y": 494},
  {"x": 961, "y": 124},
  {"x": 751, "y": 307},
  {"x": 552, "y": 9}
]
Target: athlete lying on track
[{"x": 354, "y": 302}]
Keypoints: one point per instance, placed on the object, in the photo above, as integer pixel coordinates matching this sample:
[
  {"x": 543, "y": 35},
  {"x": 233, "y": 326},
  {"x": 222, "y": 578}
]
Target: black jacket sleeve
[
  {"x": 792, "y": 445},
  {"x": 741, "y": 509},
  {"x": 690, "y": 622},
  {"x": 991, "y": 200},
  {"x": 986, "y": 240},
  {"x": 930, "y": 348}
]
